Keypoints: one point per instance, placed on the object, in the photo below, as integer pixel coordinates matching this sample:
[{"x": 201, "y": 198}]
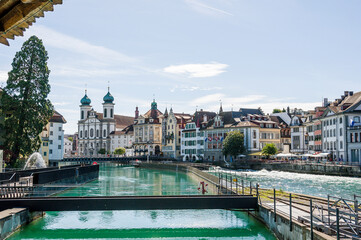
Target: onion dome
[
  {"x": 85, "y": 100},
  {"x": 108, "y": 98},
  {"x": 154, "y": 105}
]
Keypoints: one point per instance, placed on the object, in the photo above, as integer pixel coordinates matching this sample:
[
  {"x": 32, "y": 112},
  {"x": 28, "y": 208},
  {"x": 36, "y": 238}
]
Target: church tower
[
  {"x": 85, "y": 106},
  {"x": 108, "y": 106}
]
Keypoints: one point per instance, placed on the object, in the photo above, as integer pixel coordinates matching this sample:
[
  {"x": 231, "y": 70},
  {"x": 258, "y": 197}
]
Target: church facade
[{"x": 95, "y": 128}]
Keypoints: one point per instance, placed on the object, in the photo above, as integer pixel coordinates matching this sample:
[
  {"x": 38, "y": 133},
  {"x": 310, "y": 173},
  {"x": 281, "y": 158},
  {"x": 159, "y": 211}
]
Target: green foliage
[
  {"x": 25, "y": 100},
  {"x": 119, "y": 151},
  {"x": 102, "y": 151},
  {"x": 70, "y": 139},
  {"x": 283, "y": 110},
  {"x": 233, "y": 145},
  {"x": 276, "y": 110},
  {"x": 269, "y": 149}
]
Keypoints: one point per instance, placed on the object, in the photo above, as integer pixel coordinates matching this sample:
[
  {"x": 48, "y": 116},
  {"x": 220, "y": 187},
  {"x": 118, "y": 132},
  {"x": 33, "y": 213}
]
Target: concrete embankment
[
  {"x": 309, "y": 168},
  {"x": 281, "y": 226},
  {"x": 12, "y": 219}
]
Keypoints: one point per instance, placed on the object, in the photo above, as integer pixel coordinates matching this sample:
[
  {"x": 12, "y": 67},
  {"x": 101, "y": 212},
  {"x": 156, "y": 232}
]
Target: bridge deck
[{"x": 131, "y": 203}]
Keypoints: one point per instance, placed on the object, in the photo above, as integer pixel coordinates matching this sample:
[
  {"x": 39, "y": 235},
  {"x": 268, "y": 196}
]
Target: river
[
  {"x": 163, "y": 224},
  {"x": 310, "y": 184}
]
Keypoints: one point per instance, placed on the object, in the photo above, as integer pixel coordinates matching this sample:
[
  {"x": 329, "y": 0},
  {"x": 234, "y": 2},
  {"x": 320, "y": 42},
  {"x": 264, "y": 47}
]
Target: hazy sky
[{"x": 189, "y": 53}]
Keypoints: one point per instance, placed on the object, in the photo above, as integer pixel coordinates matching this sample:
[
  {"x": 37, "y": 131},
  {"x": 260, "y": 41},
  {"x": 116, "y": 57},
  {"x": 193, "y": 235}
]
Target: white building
[
  {"x": 68, "y": 147},
  {"x": 124, "y": 139},
  {"x": 341, "y": 128},
  {"x": 298, "y": 131},
  {"x": 94, "y": 128},
  {"x": 56, "y": 137}
]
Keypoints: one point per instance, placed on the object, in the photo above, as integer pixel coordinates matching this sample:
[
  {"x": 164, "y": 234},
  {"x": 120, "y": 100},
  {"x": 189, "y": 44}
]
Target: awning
[{"x": 286, "y": 155}]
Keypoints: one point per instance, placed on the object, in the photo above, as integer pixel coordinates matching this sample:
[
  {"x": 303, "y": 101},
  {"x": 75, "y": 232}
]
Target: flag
[
  {"x": 206, "y": 139},
  {"x": 221, "y": 139},
  {"x": 209, "y": 138}
]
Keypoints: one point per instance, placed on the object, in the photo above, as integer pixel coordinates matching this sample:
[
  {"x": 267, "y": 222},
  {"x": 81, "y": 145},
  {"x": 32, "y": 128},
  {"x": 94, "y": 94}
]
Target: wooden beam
[{"x": 4, "y": 41}]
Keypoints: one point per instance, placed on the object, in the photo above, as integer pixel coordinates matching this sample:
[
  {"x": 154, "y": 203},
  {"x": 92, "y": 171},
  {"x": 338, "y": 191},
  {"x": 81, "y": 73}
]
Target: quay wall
[
  {"x": 12, "y": 219},
  {"x": 281, "y": 227},
  {"x": 309, "y": 168}
]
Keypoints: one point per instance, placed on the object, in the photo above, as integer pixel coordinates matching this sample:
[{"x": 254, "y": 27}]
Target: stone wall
[
  {"x": 310, "y": 168},
  {"x": 13, "y": 219}
]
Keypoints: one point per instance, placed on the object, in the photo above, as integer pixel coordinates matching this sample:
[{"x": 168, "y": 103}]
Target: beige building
[
  {"x": 172, "y": 124},
  {"x": 148, "y": 132}
]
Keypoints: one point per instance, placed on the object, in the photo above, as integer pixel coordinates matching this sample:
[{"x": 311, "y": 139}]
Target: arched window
[
  {"x": 105, "y": 112},
  {"x": 86, "y": 134},
  {"x": 105, "y": 133},
  {"x": 81, "y": 134},
  {"x": 91, "y": 132},
  {"x": 98, "y": 133},
  {"x": 82, "y": 115},
  {"x": 111, "y": 113}
]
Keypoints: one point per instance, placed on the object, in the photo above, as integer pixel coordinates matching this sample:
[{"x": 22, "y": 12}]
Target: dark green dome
[
  {"x": 154, "y": 105},
  {"x": 85, "y": 100},
  {"x": 108, "y": 98}
]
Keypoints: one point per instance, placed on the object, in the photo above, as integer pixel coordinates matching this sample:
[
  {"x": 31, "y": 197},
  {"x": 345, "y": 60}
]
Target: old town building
[
  {"x": 94, "y": 128},
  {"x": 148, "y": 132},
  {"x": 172, "y": 124},
  {"x": 123, "y": 139}
]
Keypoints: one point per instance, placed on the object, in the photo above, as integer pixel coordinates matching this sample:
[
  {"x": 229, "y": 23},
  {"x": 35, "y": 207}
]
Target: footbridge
[
  {"x": 111, "y": 158},
  {"x": 132, "y": 203}
]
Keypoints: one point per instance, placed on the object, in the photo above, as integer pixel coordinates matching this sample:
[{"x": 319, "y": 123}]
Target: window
[
  {"x": 340, "y": 120},
  {"x": 296, "y": 130},
  {"x": 51, "y": 133},
  {"x": 254, "y": 134},
  {"x": 59, "y": 146},
  {"x": 105, "y": 133},
  {"x": 44, "y": 153},
  {"x": 111, "y": 112},
  {"x": 59, "y": 129},
  {"x": 51, "y": 141},
  {"x": 341, "y": 145},
  {"x": 356, "y": 119},
  {"x": 340, "y": 131},
  {"x": 105, "y": 112},
  {"x": 91, "y": 133},
  {"x": 51, "y": 124},
  {"x": 86, "y": 133},
  {"x": 98, "y": 133},
  {"x": 334, "y": 121},
  {"x": 82, "y": 115},
  {"x": 81, "y": 134},
  {"x": 50, "y": 151},
  {"x": 59, "y": 137},
  {"x": 356, "y": 137},
  {"x": 351, "y": 137},
  {"x": 334, "y": 132}
]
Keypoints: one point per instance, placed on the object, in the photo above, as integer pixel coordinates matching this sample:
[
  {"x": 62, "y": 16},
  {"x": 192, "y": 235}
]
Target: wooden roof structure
[{"x": 17, "y": 15}]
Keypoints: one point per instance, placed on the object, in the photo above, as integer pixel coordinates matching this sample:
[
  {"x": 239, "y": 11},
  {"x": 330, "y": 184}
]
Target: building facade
[
  {"x": 94, "y": 128},
  {"x": 123, "y": 139},
  {"x": 148, "y": 132},
  {"x": 172, "y": 125},
  {"x": 52, "y": 136}
]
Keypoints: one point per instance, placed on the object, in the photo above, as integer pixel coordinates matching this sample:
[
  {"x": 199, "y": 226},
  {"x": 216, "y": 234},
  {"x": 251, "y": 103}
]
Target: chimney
[
  {"x": 325, "y": 102},
  {"x": 343, "y": 97},
  {"x": 350, "y": 93},
  {"x": 136, "y": 113},
  {"x": 346, "y": 93}
]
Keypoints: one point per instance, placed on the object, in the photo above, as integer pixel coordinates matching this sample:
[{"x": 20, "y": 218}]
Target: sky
[{"x": 192, "y": 54}]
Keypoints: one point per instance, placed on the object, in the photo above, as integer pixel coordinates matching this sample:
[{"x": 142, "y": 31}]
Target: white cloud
[
  {"x": 3, "y": 76},
  {"x": 193, "y": 88},
  {"x": 197, "y": 70},
  {"x": 211, "y": 102},
  {"x": 206, "y": 9},
  {"x": 62, "y": 41}
]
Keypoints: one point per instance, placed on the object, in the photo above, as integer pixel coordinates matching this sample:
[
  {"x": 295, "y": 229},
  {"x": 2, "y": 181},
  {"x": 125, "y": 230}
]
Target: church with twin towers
[{"x": 94, "y": 128}]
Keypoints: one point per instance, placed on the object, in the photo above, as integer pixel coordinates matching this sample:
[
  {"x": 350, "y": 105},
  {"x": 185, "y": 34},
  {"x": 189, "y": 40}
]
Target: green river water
[{"x": 164, "y": 224}]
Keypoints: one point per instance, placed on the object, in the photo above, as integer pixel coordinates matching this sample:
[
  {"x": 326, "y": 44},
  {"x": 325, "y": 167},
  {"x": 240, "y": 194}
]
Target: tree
[
  {"x": 269, "y": 149},
  {"x": 102, "y": 151},
  {"x": 276, "y": 110},
  {"x": 70, "y": 139},
  {"x": 233, "y": 145},
  {"x": 25, "y": 100},
  {"x": 119, "y": 151}
]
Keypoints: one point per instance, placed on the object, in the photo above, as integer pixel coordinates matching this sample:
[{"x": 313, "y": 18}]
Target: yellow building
[{"x": 148, "y": 132}]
